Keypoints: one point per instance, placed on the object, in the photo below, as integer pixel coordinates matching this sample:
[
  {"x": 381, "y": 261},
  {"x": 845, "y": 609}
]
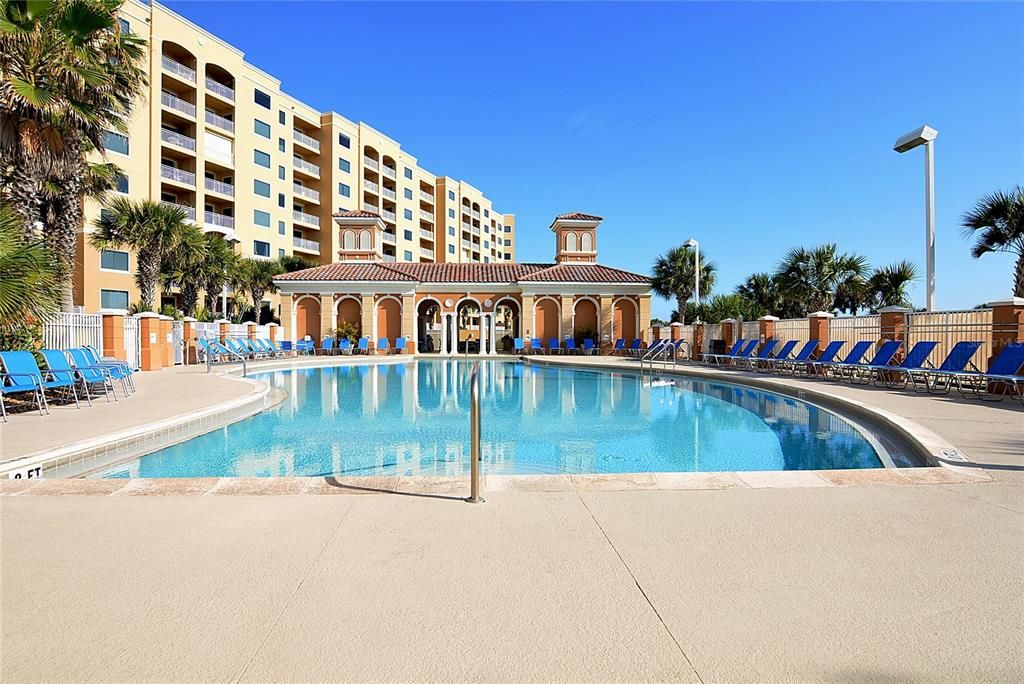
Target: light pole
[
  {"x": 696, "y": 275},
  {"x": 925, "y": 135}
]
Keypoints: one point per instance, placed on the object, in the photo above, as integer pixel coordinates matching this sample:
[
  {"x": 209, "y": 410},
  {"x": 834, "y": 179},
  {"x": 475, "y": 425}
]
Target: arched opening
[
  {"x": 307, "y": 318},
  {"x": 587, "y": 243},
  {"x": 350, "y": 315},
  {"x": 624, "y": 322},
  {"x": 364, "y": 239},
  {"x": 546, "y": 320},
  {"x": 371, "y": 153},
  {"x": 220, "y": 81},
  {"x": 570, "y": 242},
  {"x": 506, "y": 324},
  {"x": 468, "y": 320},
  {"x": 389, "y": 320},
  {"x": 350, "y": 239},
  {"x": 428, "y": 326},
  {"x": 584, "y": 322}
]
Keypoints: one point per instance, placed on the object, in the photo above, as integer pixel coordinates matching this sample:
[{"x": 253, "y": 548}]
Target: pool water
[{"x": 412, "y": 419}]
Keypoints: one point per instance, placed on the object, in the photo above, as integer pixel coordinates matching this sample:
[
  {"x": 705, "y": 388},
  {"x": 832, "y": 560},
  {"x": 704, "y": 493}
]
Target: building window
[
  {"x": 260, "y": 188},
  {"x": 280, "y": 172},
  {"x": 280, "y": 117},
  {"x": 486, "y": 244},
  {"x": 408, "y": 193},
  {"x": 260, "y": 128},
  {"x": 343, "y": 165},
  {"x": 263, "y": 100},
  {"x": 280, "y": 199},
  {"x": 280, "y": 254},
  {"x": 407, "y": 213},
  {"x": 280, "y": 144},
  {"x": 451, "y": 249},
  {"x": 344, "y": 140},
  {"x": 125, "y": 26},
  {"x": 113, "y": 260},
  {"x": 508, "y": 257},
  {"x": 261, "y": 158},
  {"x": 451, "y": 230},
  {"x": 408, "y": 235},
  {"x": 113, "y": 299},
  {"x": 451, "y": 213},
  {"x": 487, "y": 259},
  {"x": 261, "y": 218},
  {"x": 487, "y": 214},
  {"x": 408, "y": 172},
  {"x": 451, "y": 195},
  {"x": 508, "y": 243},
  {"x": 408, "y": 255},
  {"x": 260, "y": 248},
  {"x": 122, "y": 184},
  {"x": 508, "y": 229},
  {"x": 344, "y": 190},
  {"x": 280, "y": 227},
  {"x": 115, "y": 142}
]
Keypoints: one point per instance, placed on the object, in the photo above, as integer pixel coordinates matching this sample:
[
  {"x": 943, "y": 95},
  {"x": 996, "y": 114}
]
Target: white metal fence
[
  {"x": 789, "y": 329},
  {"x": 206, "y": 330},
  {"x": 750, "y": 330},
  {"x": 949, "y": 327},
  {"x": 178, "y": 341},
  {"x": 64, "y": 330},
  {"x": 712, "y": 331},
  {"x": 854, "y": 329},
  {"x": 132, "y": 343}
]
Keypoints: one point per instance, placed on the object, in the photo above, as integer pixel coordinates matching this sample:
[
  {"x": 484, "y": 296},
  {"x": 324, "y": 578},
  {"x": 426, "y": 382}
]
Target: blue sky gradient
[{"x": 752, "y": 127}]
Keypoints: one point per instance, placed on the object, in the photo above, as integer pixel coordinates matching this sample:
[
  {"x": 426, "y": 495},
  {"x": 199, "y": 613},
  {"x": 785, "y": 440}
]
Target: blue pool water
[{"x": 412, "y": 419}]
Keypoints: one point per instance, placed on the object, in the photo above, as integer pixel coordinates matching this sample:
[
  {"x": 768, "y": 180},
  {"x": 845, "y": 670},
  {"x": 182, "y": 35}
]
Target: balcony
[
  {"x": 178, "y": 69},
  {"x": 466, "y": 210},
  {"x": 426, "y": 234},
  {"x": 306, "y": 245},
  {"x": 219, "y": 187},
  {"x": 371, "y": 186},
  {"x": 220, "y": 89},
  {"x": 390, "y": 172},
  {"x": 476, "y": 214},
  {"x": 428, "y": 253},
  {"x": 371, "y": 207},
  {"x": 389, "y": 258},
  {"x": 467, "y": 244},
  {"x": 426, "y": 196},
  {"x": 475, "y": 230},
  {"x": 303, "y": 217},
  {"x": 307, "y": 193},
  {"x": 388, "y": 215},
  {"x": 177, "y": 139},
  {"x": 389, "y": 238},
  {"x": 190, "y": 212},
  {"x": 371, "y": 164},
  {"x": 218, "y": 220},
  {"x": 305, "y": 140},
  {"x": 305, "y": 167},
  {"x": 177, "y": 175},
  {"x": 220, "y": 122},
  {"x": 389, "y": 193},
  {"x": 427, "y": 216},
  {"x": 174, "y": 102}
]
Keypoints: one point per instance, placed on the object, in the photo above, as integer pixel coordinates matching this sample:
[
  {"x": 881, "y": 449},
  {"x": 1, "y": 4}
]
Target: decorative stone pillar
[
  {"x": 224, "y": 329},
  {"x": 250, "y": 330},
  {"x": 272, "y": 328},
  {"x": 565, "y": 325},
  {"x": 645, "y": 315},
  {"x": 817, "y": 329},
  {"x": 527, "y": 324},
  {"x": 728, "y": 330},
  {"x": 368, "y": 316},
  {"x": 766, "y": 327},
  {"x": 494, "y": 333},
  {"x": 150, "y": 350},
  {"x": 409, "y": 327},
  {"x": 113, "y": 334},
  {"x": 894, "y": 324},
  {"x": 656, "y": 332},
  {"x": 445, "y": 326},
  {"x": 607, "y": 317},
  {"x": 1007, "y": 324},
  {"x": 483, "y": 326},
  {"x": 328, "y": 316},
  {"x": 675, "y": 331},
  {"x": 167, "y": 340},
  {"x": 190, "y": 355},
  {"x": 287, "y": 331}
]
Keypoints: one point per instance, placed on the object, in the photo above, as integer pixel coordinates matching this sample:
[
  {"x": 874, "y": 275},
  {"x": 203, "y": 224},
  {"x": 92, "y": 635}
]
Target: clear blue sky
[{"x": 752, "y": 127}]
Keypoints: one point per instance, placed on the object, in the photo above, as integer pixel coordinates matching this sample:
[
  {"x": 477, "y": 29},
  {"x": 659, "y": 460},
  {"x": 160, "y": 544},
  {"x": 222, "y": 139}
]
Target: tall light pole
[
  {"x": 696, "y": 275},
  {"x": 925, "y": 135}
]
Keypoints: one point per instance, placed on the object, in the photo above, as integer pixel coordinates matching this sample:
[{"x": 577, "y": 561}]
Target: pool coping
[{"x": 165, "y": 432}]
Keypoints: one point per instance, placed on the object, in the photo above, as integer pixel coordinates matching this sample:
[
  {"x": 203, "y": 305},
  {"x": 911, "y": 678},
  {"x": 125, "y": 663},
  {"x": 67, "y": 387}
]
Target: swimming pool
[{"x": 412, "y": 419}]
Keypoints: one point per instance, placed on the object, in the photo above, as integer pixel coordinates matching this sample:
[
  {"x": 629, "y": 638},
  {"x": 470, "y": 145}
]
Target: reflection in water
[{"x": 413, "y": 419}]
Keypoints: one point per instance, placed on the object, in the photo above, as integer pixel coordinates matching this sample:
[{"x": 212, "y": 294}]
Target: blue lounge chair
[
  {"x": 535, "y": 346},
  {"x": 744, "y": 353},
  {"x": 803, "y": 356},
  {"x": 119, "y": 370},
  {"x": 619, "y": 348},
  {"x": 891, "y": 376},
  {"x": 382, "y": 345},
  {"x": 399, "y": 346},
  {"x": 58, "y": 368},
  {"x": 554, "y": 347},
  {"x": 856, "y": 372},
  {"x": 236, "y": 346},
  {"x": 588, "y": 346},
  {"x": 762, "y": 354},
  {"x": 634, "y": 347},
  {"x": 254, "y": 349},
  {"x": 570, "y": 346},
  {"x": 364, "y": 345},
  {"x": 264, "y": 346},
  {"x": 519, "y": 345},
  {"x": 782, "y": 354},
  {"x": 21, "y": 374},
  {"x": 326, "y": 346},
  {"x": 279, "y": 348},
  {"x": 821, "y": 366},
  {"x": 733, "y": 351},
  {"x": 345, "y": 346},
  {"x": 1002, "y": 377},
  {"x": 95, "y": 378},
  {"x": 938, "y": 379}
]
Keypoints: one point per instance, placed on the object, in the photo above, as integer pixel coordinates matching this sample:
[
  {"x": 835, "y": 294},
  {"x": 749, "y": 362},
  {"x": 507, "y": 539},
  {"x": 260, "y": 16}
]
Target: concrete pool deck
[{"x": 860, "y": 582}]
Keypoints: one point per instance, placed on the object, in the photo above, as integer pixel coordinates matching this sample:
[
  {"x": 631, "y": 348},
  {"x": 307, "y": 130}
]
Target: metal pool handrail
[{"x": 474, "y": 436}]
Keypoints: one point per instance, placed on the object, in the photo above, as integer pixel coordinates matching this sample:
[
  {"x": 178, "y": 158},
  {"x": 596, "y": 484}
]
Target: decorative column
[
  {"x": 656, "y": 332},
  {"x": 150, "y": 351},
  {"x": 287, "y": 331},
  {"x": 188, "y": 335},
  {"x": 494, "y": 333},
  {"x": 565, "y": 325},
  {"x": 817, "y": 329},
  {"x": 113, "y": 334},
  {"x": 766, "y": 327},
  {"x": 1007, "y": 324},
  {"x": 453, "y": 333},
  {"x": 482, "y": 327},
  {"x": 368, "y": 316},
  {"x": 607, "y": 317},
  {"x": 167, "y": 338},
  {"x": 224, "y": 328},
  {"x": 894, "y": 324},
  {"x": 527, "y": 324},
  {"x": 445, "y": 325},
  {"x": 409, "y": 328},
  {"x": 644, "y": 311},
  {"x": 250, "y": 330},
  {"x": 328, "y": 316}
]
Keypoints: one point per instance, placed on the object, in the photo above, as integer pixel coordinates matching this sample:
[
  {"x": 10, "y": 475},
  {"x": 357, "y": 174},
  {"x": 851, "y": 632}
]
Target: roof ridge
[{"x": 384, "y": 265}]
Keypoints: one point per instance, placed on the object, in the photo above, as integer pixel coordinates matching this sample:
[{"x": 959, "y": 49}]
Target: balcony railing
[
  {"x": 427, "y": 215},
  {"x": 308, "y": 193},
  {"x": 427, "y": 196},
  {"x": 190, "y": 212},
  {"x": 467, "y": 226},
  {"x": 371, "y": 207},
  {"x": 467, "y": 244},
  {"x": 305, "y": 166},
  {"x": 466, "y": 210},
  {"x": 219, "y": 186},
  {"x": 219, "y": 220},
  {"x": 429, "y": 253},
  {"x": 389, "y": 215},
  {"x": 370, "y": 185},
  {"x": 371, "y": 163},
  {"x": 178, "y": 69},
  {"x": 390, "y": 172},
  {"x": 426, "y": 234},
  {"x": 219, "y": 88},
  {"x": 389, "y": 257},
  {"x": 174, "y": 102},
  {"x": 220, "y": 122},
  {"x": 175, "y": 138},
  {"x": 475, "y": 230},
  {"x": 302, "y": 138},
  {"x": 309, "y": 219},
  {"x": 177, "y": 175},
  {"x": 306, "y": 245},
  {"x": 389, "y": 193},
  {"x": 389, "y": 238},
  {"x": 476, "y": 214}
]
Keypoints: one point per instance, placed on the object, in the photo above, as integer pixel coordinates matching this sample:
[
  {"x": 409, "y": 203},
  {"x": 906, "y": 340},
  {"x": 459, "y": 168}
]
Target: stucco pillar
[
  {"x": 494, "y": 334},
  {"x": 728, "y": 331},
  {"x": 287, "y": 318},
  {"x": 645, "y": 316},
  {"x": 224, "y": 329},
  {"x": 167, "y": 340},
  {"x": 444, "y": 333},
  {"x": 328, "y": 316},
  {"x": 188, "y": 335},
  {"x": 528, "y": 324},
  {"x": 766, "y": 326},
  {"x": 150, "y": 351},
  {"x": 272, "y": 328},
  {"x": 817, "y": 329},
  {"x": 894, "y": 325},
  {"x": 368, "y": 316},
  {"x": 453, "y": 332},
  {"x": 250, "y": 330},
  {"x": 565, "y": 326},
  {"x": 409, "y": 331},
  {"x": 697, "y": 342},
  {"x": 483, "y": 327},
  {"x": 675, "y": 331},
  {"x": 113, "y": 334},
  {"x": 1007, "y": 324},
  {"x": 607, "y": 323}
]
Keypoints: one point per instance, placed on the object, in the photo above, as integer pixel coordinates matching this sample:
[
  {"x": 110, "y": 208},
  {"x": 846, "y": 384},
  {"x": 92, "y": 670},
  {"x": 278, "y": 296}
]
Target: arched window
[
  {"x": 364, "y": 240},
  {"x": 570, "y": 242},
  {"x": 350, "y": 239},
  {"x": 587, "y": 243}
]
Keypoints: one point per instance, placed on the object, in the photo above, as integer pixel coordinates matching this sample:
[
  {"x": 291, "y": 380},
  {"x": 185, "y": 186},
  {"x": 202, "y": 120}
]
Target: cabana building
[{"x": 452, "y": 308}]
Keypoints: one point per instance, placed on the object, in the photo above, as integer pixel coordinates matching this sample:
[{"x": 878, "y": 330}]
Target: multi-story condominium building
[{"x": 248, "y": 162}]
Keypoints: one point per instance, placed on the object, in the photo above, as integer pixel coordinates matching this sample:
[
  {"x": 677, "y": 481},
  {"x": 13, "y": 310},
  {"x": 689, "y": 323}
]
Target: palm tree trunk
[
  {"x": 1018, "y": 276},
  {"x": 22, "y": 187},
  {"x": 147, "y": 275},
  {"x": 681, "y": 307}
]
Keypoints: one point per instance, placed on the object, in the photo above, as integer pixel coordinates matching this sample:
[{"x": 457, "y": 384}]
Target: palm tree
[
  {"x": 222, "y": 266},
  {"x": 765, "y": 293},
  {"x": 888, "y": 284},
  {"x": 29, "y": 288},
  {"x": 673, "y": 276},
  {"x": 998, "y": 222},
  {"x": 184, "y": 268},
  {"x": 152, "y": 229},
  {"x": 258, "y": 277},
  {"x": 815, "y": 277},
  {"x": 293, "y": 262}
]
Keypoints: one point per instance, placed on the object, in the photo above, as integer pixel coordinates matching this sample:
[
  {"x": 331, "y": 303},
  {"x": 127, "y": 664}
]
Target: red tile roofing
[
  {"x": 578, "y": 216},
  {"x": 360, "y": 272},
  {"x": 467, "y": 273},
  {"x": 584, "y": 273},
  {"x": 356, "y": 213}
]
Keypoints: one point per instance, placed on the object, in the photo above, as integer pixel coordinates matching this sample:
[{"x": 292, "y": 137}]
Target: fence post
[
  {"x": 224, "y": 329},
  {"x": 893, "y": 325},
  {"x": 250, "y": 330},
  {"x": 151, "y": 352},
  {"x": 817, "y": 328},
  {"x": 167, "y": 340},
  {"x": 697, "y": 347},
  {"x": 729, "y": 331},
  {"x": 113, "y": 334},
  {"x": 1007, "y": 324},
  {"x": 272, "y": 331},
  {"x": 766, "y": 327},
  {"x": 188, "y": 334},
  {"x": 675, "y": 331}
]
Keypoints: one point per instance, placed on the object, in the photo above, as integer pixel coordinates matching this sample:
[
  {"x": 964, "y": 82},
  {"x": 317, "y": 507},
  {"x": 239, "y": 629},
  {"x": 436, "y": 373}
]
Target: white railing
[
  {"x": 219, "y": 121},
  {"x": 190, "y": 212},
  {"x": 789, "y": 329},
  {"x": 389, "y": 193},
  {"x": 476, "y": 214},
  {"x": 220, "y": 89},
  {"x": 390, "y": 215},
  {"x": 371, "y": 163},
  {"x": 300, "y": 137},
  {"x": 206, "y": 330},
  {"x": 949, "y": 327},
  {"x": 175, "y": 138},
  {"x": 177, "y": 341},
  {"x": 426, "y": 196},
  {"x": 64, "y": 330},
  {"x": 475, "y": 230},
  {"x": 370, "y": 185},
  {"x": 308, "y": 193},
  {"x": 371, "y": 207},
  {"x": 307, "y": 245},
  {"x": 467, "y": 244},
  {"x": 306, "y": 218},
  {"x": 219, "y": 220},
  {"x": 390, "y": 172},
  {"x": 389, "y": 257},
  {"x": 429, "y": 253},
  {"x": 853, "y": 329},
  {"x": 427, "y": 216},
  {"x": 174, "y": 102},
  {"x": 389, "y": 238},
  {"x": 218, "y": 186},
  {"x": 303, "y": 165},
  {"x": 467, "y": 226},
  {"x": 426, "y": 234},
  {"x": 466, "y": 210},
  {"x": 132, "y": 343},
  {"x": 178, "y": 69},
  {"x": 178, "y": 175},
  {"x": 238, "y": 329}
]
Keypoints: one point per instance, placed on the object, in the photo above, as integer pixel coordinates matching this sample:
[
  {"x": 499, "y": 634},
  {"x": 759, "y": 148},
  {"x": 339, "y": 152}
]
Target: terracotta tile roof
[
  {"x": 467, "y": 273},
  {"x": 578, "y": 216},
  {"x": 362, "y": 272},
  {"x": 356, "y": 213},
  {"x": 584, "y": 273}
]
